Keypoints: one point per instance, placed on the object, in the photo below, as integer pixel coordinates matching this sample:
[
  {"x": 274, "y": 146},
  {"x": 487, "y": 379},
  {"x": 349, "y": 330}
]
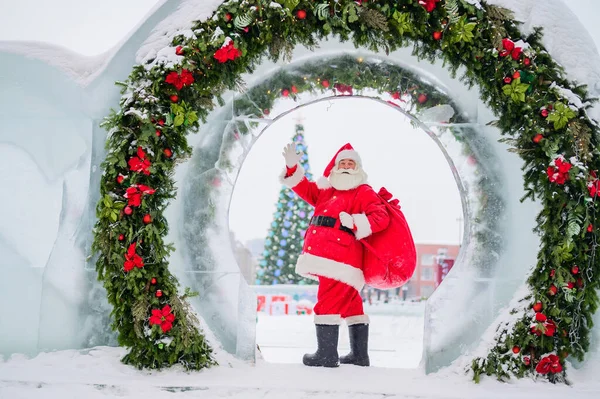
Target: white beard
[{"x": 347, "y": 179}]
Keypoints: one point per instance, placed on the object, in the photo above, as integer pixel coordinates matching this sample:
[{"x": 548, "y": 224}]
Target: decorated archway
[{"x": 540, "y": 111}]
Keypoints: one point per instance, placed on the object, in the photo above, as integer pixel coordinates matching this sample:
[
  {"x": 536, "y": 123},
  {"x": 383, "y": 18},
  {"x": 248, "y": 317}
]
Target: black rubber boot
[
  {"x": 327, "y": 342},
  {"x": 359, "y": 346}
]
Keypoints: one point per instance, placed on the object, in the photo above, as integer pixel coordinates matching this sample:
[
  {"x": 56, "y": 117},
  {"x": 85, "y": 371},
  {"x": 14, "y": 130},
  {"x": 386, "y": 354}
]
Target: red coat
[{"x": 329, "y": 251}]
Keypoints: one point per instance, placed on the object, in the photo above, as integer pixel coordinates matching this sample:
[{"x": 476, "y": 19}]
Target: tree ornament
[
  {"x": 147, "y": 218},
  {"x": 516, "y": 75},
  {"x": 537, "y": 138},
  {"x": 301, "y": 14},
  {"x": 179, "y": 50},
  {"x": 228, "y": 17},
  {"x": 157, "y": 133},
  {"x": 579, "y": 282},
  {"x": 544, "y": 113},
  {"x": 526, "y": 61},
  {"x": 570, "y": 285},
  {"x": 121, "y": 237},
  {"x": 294, "y": 89},
  {"x": 127, "y": 210},
  {"x": 507, "y": 79},
  {"x": 158, "y": 293},
  {"x": 537, "y": 307},
  {"x": 590, "y": 228},
  {"x": 516, "y": 349},
  {"x": 285, "y": 92},
  {"x": 161, "y": 122},
  {"x": 266, "y": 111},
  {"x": 153, "y": 281},
  {"x": 526, "y": 361},
  {"x": 575, "y": 269},
  {"x": 422, "y": 98},
  {"x": 168, "y": 153},
  {"x": 552, "y": 290},
  {"x": 437, "y": 35},
  {"x": 325, "y": 83},
  {"x": 174, "y": 98},
  {"x": 552, "y": 273},
  {"x": 120, "y": 179}
]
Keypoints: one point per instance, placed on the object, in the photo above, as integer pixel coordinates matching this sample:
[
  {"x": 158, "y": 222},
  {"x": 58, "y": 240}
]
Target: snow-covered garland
[{"x": 540, "y": 111}]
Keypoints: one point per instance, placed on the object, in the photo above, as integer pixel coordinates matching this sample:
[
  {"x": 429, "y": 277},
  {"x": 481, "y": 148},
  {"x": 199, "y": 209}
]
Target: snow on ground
[{"x": 97, "y": 373}]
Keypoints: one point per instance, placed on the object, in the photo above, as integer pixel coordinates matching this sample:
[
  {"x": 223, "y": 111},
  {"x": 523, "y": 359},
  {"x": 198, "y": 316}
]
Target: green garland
[{"x": 523, "y": 88}]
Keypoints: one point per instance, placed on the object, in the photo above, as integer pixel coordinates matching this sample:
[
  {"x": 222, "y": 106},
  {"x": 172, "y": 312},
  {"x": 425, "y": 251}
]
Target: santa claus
[{"x": 346, "y": 211}]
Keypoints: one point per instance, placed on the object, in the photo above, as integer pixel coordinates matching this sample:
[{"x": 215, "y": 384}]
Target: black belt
[{"x": 328, "y": 221}]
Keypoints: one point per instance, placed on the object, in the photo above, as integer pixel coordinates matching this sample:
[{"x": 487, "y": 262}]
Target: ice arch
[{"x": 99, "y": 96}]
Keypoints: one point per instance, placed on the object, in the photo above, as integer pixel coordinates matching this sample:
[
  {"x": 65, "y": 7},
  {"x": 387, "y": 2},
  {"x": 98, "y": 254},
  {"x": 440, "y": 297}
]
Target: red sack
[{"x": 390, "y": 258}]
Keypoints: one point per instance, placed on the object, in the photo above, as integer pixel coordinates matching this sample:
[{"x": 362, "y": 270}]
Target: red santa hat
[{"x": 346, "y": 152}]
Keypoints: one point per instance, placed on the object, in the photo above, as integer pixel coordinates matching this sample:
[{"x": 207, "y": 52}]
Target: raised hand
[{"x": 290, "y": 156}]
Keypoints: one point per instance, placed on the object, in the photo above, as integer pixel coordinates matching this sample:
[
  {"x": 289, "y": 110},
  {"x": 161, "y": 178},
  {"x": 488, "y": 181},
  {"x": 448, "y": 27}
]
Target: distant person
[{"x": 346, "y": 210}]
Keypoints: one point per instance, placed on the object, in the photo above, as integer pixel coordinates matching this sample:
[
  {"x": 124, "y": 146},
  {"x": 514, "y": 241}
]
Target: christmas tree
[{"x": 284, "y": 241}]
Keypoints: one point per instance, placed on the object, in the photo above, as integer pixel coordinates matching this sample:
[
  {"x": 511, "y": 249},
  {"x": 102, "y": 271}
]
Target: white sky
[{"x": 407, "y": 162}]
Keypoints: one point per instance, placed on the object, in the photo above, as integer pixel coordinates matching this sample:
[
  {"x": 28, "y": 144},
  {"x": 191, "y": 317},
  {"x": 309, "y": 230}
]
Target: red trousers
[{"x": 337, "y": 298}]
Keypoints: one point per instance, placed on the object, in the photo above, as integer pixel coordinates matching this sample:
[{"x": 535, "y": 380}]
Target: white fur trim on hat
[
  {"x": 358, "y": 319},
  {"x": 294, "y": 179},
  {"x": 348, "y": 154},
  {"x": 323, "y": 183},
  {"x": 311, "y": 266},
  {"x": 363, "y": 227},
  {"x": 328, "y": 319}
]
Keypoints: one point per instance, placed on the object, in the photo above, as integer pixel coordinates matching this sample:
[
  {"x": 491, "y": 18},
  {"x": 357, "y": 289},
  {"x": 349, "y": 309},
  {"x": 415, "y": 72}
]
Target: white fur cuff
[
  {"x": 310, "y": 266},
  {"x": 328, "y": 319},
  {"x": 323, "y": 183},
  {"x": 294, "y": 179},
  {"x": 363, "y": 227},
  {"x": 359, "y": 319}
]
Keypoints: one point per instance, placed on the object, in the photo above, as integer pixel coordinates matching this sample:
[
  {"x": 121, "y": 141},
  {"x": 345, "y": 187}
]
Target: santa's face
[{"x": 347, "y": 175}]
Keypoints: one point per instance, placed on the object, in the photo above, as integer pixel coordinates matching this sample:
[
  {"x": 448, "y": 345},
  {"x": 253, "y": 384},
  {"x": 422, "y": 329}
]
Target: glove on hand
[
  {"x": 290, "y": 156},
  {"x": 346, "y": 220}
]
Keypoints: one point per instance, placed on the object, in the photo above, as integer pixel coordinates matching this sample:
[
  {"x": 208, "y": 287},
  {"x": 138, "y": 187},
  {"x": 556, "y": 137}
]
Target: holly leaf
[
  {"x": 516, "y": 90},
  {"x": 463, "y": 31},
  {"x": 179, "y": 119},
  {"x": 561, "y": 115},
  {"x": 190, "y": 118}
]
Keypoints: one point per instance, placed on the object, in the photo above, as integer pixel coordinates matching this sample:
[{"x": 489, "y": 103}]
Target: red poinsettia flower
[
  {"x": 429, "y": 4},
  {"x": 549, "y": 328},
  {"x": 132, "y": 259},
  {"x": 549, "y": 364},
  {"x": 343, "y": 88},
  {"x": 162, "y": 317},
  {"x": 140, "y": 163},
  {"x": 227, "y": 52},
  {"x": 508, "y": 44},
  {"x": 134, "y": 194},
  {"x": 185, "y": 78},
  {"x": 558, "y": 171}
]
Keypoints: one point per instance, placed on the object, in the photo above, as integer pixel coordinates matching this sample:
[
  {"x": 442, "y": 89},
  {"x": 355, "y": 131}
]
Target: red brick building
[{"x": 433, "y": 261}]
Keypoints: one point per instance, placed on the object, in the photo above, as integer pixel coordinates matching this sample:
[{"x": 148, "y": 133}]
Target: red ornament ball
[
  {"x": 157, "y": 133},
  {"x": 246, "y": 29},
  {"x": 544, "y": 113},
  {"x": 507, "y": 79},
  {"x": 552, "y": 273},
  {"x": 228, "y": 17},
  {"x": 120, "y": 179},
  {"x": 158, "y": 293},
  {"x": 285, "y": 92},
  {"x": 527, "y": 61},
  {"x": 161, "y": 122},
  {"x": 422, "y": 98},
  {"x": 174, "y": 98},
  {"x": 147, "y": 218},
  {"x": 168, "y": 153},
  {"x": 153, "y": 281},
  {"x": 127, "y": 210},
  {"x": 516, "y": 349},
  {"x": 575, "y": 269},
  {"x": 516, "y": 75},
  {"x": 179, "y": 50},
  {"x": 437, "y": 35},
  {"x": 537, "y": 307},
  {"x": 301, "y": 14},
  {"x": 570, "y": 285},
  {"x": 325, "y": 83},
  {"x": 552, "y": 290},
  {"x": 526, "y": 361},
  {"x": 590, "y": 228},
  {"x": 121, "y": 237},
  {"x": 579, "y": 282},
  {"x": 294, "y": 89},
  {"x": 538, "y": 137},
  {"x": 266, "y": 112}
]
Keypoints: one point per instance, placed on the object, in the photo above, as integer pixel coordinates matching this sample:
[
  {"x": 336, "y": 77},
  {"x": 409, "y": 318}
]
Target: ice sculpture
[{"x": 53, "y": 116}]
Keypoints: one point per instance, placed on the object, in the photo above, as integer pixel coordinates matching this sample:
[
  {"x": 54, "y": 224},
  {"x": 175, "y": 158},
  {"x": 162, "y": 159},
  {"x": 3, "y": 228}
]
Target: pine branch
[
  {"x": 452, "y": 11},
  {"x": 280, "y": 47},
  {"x": 374, "y": 19},
  {"x": 498, "y": 13},
  {"x": 139, "y": 311},
  {"x": 582, "y": 135}
]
